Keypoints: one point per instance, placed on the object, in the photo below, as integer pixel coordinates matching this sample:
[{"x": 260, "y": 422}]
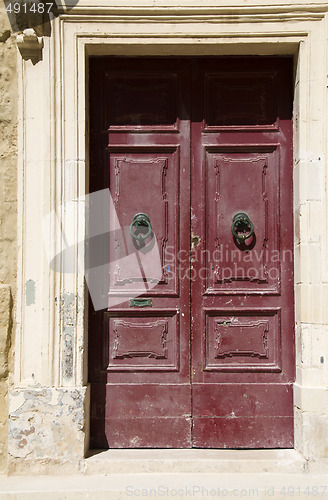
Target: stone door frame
[{"x": 49, "y": 396}]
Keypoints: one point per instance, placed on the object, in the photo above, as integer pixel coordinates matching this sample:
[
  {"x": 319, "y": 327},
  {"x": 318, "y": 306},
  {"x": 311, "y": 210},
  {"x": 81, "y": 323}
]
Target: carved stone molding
[{"x": 30, "y": 45}]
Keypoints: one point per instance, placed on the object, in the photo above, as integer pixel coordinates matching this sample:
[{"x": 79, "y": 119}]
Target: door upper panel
[{"x": 144, "y": 100}]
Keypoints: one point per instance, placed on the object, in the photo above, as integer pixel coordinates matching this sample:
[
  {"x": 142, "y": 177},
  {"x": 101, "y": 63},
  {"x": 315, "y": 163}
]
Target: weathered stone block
[
  {"x": 46, "y": 428},
  {"x": 311, "y": 434}
]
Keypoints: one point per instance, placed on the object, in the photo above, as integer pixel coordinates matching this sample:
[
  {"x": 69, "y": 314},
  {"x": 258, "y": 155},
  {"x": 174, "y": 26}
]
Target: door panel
[
  {"x": 249, "y": 180},
  {"x": 208, "y": 359},
  {"x": 145, "y": 342},
  {"x": 151, "y": 175},
  {"x": 241, "y": 100},
  {"x": 141, "y": 393},
  {"x": 245, "y": 340},
  {"x": 142, "y": 99},
  {"x": 242, "y": 343},
  {"x": 242, "y": 432}
]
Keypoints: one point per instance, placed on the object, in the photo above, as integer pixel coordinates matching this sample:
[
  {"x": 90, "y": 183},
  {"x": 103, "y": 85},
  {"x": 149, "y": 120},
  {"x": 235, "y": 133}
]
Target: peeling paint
[
  {"x": 30, "y": 292},
  {"x": 68, "y": 310}
]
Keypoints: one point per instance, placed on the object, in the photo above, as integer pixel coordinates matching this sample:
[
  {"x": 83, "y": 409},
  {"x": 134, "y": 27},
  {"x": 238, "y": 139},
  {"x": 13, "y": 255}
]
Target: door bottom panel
[
  {"x": 148, "y": 432},
  {"x": 243, "y": 432},
  {"x": 141, "y": 416}
]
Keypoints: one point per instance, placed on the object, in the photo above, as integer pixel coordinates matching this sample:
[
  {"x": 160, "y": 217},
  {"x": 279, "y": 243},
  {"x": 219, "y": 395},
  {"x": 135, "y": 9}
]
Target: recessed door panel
[
  {"x": 243, "y": 181},
  {"x": 243, "y": 340},
  {"x": 142, "y": 100},
  {"x": 152, "y": 175},
  {"x": 143, "y": 343},
  {"x": 241, "y": 99}
]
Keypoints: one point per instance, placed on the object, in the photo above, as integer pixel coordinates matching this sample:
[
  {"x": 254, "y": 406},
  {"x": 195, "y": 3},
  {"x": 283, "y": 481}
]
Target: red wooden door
[
  {"x": 242, "y": 289},
  {"x": 140, "y": 356},
  {"x": 207, "y": 360}
]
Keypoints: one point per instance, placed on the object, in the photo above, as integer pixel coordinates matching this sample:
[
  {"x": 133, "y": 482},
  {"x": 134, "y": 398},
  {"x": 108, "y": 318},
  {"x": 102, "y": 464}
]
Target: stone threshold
[
  {"x": 194, "y": 460},
  {"x": 259, "y": 486}
]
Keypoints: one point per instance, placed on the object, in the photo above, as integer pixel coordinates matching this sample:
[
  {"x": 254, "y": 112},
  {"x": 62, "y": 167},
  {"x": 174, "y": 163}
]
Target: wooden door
[
  {"x": 140, "y": 353},
  {"x": 242, "y": 289},
  {"x": 206, "y": 357}
]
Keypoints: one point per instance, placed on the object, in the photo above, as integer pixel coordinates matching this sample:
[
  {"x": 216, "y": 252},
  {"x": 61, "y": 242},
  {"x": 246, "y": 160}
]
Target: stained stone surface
[{"x": 46, "y": 428}]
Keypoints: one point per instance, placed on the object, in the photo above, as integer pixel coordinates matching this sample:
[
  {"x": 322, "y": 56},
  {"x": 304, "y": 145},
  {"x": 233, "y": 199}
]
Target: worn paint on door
[{"x": 208, "y": 359}]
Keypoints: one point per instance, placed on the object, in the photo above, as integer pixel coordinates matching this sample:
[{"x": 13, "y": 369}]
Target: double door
[{"x": 196, "y": 347}]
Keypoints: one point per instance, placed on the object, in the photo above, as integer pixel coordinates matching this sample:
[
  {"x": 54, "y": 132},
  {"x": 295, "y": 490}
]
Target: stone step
[
  {"x": 167, "y": 486},
  {"x": 195, "y": 460}
]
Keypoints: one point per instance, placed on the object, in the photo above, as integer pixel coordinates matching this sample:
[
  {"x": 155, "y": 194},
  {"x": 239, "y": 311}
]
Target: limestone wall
[{"x": 8, "y": 215}]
